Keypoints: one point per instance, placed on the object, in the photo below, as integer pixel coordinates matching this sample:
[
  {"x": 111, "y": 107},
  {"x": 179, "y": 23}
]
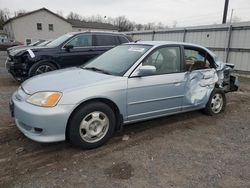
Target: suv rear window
[{"x": 106, "y": 40}]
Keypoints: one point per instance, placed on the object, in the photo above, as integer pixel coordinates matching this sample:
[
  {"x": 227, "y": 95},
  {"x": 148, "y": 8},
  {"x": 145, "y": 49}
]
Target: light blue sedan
[{"x": 130, "y": 83}]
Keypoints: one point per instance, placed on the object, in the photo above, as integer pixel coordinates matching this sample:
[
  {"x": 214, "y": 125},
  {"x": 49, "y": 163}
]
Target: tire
[
  {"x": 41, "y": 67},
  {"x": 216, "y": 103},
  {"x": 91, "y": 126}
]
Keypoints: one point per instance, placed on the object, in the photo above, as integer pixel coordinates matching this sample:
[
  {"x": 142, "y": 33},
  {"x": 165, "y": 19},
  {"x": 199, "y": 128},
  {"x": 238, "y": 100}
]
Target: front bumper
[
  {"x": 18, "y": 72},
  {"x": 38, "y": 123}
]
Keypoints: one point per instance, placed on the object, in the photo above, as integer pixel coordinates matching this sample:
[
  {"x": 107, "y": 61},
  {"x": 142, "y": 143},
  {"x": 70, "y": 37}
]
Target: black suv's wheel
[
  {"x": 91, "y": 125},
  {"x": 41, "y": 67},
  {"x": 216, "y": 102}
]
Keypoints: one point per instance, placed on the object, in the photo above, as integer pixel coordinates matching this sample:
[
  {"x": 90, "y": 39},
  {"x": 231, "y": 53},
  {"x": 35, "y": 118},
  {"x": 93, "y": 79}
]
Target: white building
[{"x": 45, "y": 24}]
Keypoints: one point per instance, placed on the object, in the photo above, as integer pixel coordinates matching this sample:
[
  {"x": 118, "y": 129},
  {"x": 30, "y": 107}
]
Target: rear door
[
  {"x": 161, "y": 93},
  {"x": 104, "y": 42}
]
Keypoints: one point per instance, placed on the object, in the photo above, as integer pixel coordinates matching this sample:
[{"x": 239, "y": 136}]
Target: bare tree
[
  {"x": 74, "y": 16},
  {"x": 4, "y": 16},
  {"x": 138, "y": 27},
  {"x": 19, "y": 12},
  {"x": 159, "y": 26},
  {"x": 123, "y": 23},
  {"x": 149, "y": 26},
  {"x": 96, "y": 18},
  {"x": 236, "y": 19},
  {"x": 60, "y": 13},
  {"x": 174, "y": 23}
]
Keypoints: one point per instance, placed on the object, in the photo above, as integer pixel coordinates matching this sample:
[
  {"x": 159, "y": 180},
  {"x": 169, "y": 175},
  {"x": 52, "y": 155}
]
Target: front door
[
  {"x": 161, "y": 93},
  {"x": 201, "y": 78},
  {"x": 81, "y": 52}
]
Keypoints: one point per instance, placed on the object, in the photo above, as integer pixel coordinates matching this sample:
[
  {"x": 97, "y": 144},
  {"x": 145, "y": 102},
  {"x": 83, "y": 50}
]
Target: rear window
[{"x": 106, "y": 40}]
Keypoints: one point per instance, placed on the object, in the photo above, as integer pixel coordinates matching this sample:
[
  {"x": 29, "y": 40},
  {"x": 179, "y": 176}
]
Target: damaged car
[
  {"x": 132, "y": 82},
  {"x": 71, "y": 49}
]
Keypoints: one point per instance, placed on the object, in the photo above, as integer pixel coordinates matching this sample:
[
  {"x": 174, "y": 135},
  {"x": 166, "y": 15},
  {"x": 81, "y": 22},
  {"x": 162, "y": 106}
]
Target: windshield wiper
[{"x": 97, "y": 70}]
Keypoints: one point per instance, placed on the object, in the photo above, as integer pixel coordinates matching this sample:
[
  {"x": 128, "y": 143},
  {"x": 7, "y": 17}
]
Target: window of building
[
  {"x": 39, "y": 26},
  {"x": 28, "y": 41},
  {"x": 165, "y": 60},
  {"x": 51, "y": 27}
]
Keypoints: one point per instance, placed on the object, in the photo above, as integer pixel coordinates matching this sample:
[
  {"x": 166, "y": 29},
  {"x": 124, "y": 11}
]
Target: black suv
[{"x": 72, "y": 49}]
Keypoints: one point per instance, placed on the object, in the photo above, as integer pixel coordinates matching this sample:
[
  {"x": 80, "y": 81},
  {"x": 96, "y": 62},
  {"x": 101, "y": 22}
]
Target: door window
[
  {"x": 81, "y": 41},
  {"x": 195, "y": 59},
  {"x": 165, "y": 60},
  {"x": 106, "y": 40}
]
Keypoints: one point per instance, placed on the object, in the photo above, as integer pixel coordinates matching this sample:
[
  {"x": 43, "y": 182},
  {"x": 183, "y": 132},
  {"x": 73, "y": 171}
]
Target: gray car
[{"x": 131, "y": 82}]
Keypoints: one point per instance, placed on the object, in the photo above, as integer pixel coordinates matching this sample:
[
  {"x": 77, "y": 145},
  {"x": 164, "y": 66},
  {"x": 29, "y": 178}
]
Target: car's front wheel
[
  {"x": 216, "y": 102},
  {"x": 91, "y": 125},
  {"x": 41, "y": 67}
]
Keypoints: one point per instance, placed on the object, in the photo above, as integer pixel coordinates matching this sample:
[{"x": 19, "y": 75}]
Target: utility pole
[{"x": 224, "y": 20}]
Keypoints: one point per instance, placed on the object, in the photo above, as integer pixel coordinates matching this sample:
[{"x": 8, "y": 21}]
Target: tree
[
  {"x": 60, "y": 13},
  {"x": 236, "y": 19},
  {"x": 4, "y": 16},
  {"x": 138, "y": 27},
  {"x": 96, "y": 18},
  {"x": 174, "y": 23},
  {"x": 123, "y": 23},
  {"x": 19, "y": 12},
  {"x": 74, "y": 16},
  {"x": 149, "y": 26}
]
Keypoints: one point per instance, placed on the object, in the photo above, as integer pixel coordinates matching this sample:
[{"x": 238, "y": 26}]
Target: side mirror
[
  {"x": 68, "y": 47},
  {"x": 145, "y": 70}
]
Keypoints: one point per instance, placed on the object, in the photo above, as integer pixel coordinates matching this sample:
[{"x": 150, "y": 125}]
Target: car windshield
[
  {"x": 59, "y": 40},
  {"x": 36, "y": 43},
  {"x": 44, "y": 43},
  {"x": 117, "y": 60}
]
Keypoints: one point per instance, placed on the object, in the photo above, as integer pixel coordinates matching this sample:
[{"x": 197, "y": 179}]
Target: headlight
[{"x": 45, "y": 99}]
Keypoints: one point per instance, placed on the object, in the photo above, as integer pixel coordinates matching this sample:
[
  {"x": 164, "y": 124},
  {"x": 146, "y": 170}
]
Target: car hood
[
  {"x": 21, "y": 50},
  {"x": 65, "y": 79}
]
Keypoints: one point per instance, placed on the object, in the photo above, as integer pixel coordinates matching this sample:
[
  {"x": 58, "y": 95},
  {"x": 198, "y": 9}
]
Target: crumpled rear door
[{"x": 199, "y": 85}]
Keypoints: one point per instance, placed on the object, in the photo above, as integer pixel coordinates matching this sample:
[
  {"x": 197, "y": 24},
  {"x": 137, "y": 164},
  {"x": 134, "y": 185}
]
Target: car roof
[
  {"x": 161, "y": 43},
  {"x": 99, "y": 32}
]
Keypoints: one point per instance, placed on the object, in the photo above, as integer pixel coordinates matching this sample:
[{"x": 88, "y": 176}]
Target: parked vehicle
[
  {"x": 129, "y": 83},
  {"x": 45, "y": 43},
  {"x": 5, "y": 45},
  {"x": 36, "y": 43},
  {"x": 72, "y": 49}
]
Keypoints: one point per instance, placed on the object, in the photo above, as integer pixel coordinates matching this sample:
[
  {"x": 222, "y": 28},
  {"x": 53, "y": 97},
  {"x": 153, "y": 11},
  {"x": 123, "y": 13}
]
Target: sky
[{"x": 168, "y": 12}]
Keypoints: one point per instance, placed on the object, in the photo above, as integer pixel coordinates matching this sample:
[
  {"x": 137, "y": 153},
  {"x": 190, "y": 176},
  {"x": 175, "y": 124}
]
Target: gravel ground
[{"x": 186, "y": 150}]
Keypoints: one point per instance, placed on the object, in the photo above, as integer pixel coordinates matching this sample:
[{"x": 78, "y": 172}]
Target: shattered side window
[{"x": 195, "y": 60}]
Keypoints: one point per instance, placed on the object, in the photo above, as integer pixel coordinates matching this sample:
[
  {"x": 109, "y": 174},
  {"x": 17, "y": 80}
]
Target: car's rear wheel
[
  {"x": 91, "y": 125},
  {"x": 216, "y": 102},
  {"x": 41, "y": 67}
]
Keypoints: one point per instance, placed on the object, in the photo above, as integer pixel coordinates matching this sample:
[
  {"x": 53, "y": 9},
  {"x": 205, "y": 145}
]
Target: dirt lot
[{"x": 187, "y": 150}]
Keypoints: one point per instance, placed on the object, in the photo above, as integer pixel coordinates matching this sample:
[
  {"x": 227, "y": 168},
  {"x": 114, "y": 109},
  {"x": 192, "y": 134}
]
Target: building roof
[
  {"x": 74, "y": 23},
  {"x": 96, "y": 25},
  {"x": 29, "y": 13}
]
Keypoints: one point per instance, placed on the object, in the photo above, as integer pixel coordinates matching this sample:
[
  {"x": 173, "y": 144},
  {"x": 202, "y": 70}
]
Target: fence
[{"x": 231, "y": 42}]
